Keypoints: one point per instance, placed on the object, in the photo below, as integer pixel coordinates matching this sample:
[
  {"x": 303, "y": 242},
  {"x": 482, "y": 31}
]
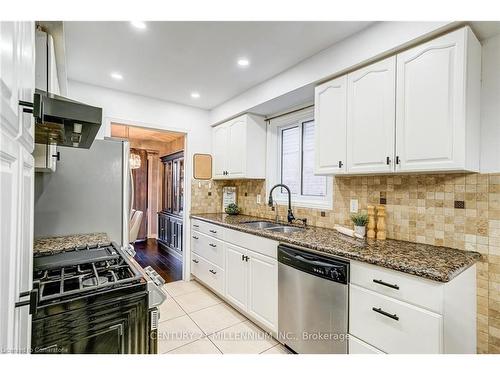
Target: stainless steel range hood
[{"x": 64, "y": 122}]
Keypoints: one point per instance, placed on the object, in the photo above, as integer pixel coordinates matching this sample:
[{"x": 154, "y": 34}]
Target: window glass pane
[
  {"x": 311, "y": 184},
  {"x": 290, "y": 159}
]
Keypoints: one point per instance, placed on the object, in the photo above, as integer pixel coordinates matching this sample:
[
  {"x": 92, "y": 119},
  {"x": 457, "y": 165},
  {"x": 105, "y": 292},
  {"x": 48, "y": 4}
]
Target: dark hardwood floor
[{"x": 150, "y": 253}]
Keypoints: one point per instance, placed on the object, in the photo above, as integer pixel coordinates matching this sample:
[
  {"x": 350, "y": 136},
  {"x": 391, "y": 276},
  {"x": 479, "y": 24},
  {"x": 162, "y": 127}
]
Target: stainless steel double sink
[{"x": 272, "y": 227}]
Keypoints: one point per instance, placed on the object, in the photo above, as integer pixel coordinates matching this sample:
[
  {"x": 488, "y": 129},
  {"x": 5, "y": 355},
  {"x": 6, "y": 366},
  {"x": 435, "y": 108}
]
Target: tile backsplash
[{"x": 420, "y": 208}]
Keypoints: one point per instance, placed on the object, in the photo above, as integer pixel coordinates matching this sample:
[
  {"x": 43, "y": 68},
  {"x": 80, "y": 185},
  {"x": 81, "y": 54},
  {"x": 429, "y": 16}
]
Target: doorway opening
[{"x": 156, "y": 221}]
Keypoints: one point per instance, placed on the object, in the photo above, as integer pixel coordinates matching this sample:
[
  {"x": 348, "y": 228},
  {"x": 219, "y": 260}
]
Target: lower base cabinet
[{"x": 247, "y": 279}]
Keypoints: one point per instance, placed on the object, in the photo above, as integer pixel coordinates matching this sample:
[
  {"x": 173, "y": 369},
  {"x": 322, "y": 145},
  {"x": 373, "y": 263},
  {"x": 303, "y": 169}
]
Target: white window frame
[{"x": 273, "y": 165}]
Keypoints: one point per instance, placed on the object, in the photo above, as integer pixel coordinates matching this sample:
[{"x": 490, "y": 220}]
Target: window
[{"x": 291, "y": 149}]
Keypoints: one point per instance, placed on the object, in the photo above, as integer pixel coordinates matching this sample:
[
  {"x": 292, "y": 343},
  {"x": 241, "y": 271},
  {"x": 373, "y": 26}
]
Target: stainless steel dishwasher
[{"x": 313, "y": 302}]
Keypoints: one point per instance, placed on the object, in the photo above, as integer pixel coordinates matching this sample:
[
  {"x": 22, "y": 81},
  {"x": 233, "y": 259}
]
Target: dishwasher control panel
[{"x": 321, "y": 266}]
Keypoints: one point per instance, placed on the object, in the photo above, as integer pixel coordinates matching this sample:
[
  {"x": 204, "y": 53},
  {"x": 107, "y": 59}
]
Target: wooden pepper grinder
[
  {"x": 381, "y": 235},
  {"x": 371, "y": 222}
]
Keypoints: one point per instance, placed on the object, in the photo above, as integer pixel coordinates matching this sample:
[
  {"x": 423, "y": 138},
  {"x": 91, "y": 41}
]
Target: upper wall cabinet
[
  {"x": 437, "y": 112},
  {"x": 330, "y": 113},
  {"x": 417, "y": 111},
  {"x": 371, "y": 106},
  {"x": 239, "y": 148}
]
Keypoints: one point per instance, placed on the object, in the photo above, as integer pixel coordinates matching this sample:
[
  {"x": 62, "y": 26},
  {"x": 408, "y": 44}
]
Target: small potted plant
[
  {"x": 360, "y": 220},
  {"x": 232, "y": 209}
]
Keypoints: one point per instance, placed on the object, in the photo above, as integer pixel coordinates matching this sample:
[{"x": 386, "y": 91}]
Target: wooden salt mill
[
  {"x": 371, "y": 222},
  {"x": 381, "y": 234}
]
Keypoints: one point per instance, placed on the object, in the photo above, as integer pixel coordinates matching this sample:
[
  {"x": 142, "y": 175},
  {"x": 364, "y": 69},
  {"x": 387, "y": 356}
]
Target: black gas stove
[
  {"x": 79, "y": 271},
  {"x": 91, "y": 299}
]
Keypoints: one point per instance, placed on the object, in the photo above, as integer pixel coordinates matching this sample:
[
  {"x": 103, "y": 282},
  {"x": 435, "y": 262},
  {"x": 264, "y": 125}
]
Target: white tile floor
[{"x": 193, "y": 320}]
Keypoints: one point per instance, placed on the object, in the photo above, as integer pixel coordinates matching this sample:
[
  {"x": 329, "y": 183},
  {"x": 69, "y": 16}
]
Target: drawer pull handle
[
  {"x": 196, "y": 225},
  {"x": 384, "y": 313},
  {"x": 195, "y": 261},
  {"x": 213, "y": 231},
  {"x": 393, "y": 286},
  {"x": 212, "y": 271},
  {"x": 195, "y": 237},
  {"x": 213, "y": 245}
]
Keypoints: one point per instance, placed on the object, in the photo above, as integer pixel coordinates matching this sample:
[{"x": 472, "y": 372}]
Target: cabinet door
[
  {"x": 9, "y": 78},
  {"x": 236, "y": 275},
  {"x": 26, "y": 81},
  {"x": 24, "y": 264},
  {"x": 237, "y": 144},
  {"x": 430, "y": 128},
  {"x": 9, "y": 215},
  {"x": 330, "y": 112},
  {"x": 263, "y": 289},
  {"x": 220, "y": 147},
  {"x": 371, "y": 108}
]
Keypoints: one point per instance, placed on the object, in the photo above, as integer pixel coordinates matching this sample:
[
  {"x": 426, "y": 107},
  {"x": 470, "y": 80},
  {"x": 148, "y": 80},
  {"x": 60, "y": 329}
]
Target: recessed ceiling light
[
  {"x": 139, "y": 24},
  {"x": 195, "y": 95},
  {"x": 243, "y": 62},
  {"x": 116, "y": 76}
]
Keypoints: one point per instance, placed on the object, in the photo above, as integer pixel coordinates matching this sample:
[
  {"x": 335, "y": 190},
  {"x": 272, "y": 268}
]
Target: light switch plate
[
  {"x": 354, "y": 206},
  {"x": 258, "y": 198}
]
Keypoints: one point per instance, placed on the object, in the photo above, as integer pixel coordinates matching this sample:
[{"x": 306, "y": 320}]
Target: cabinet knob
[
  {"x": 213, "y": 231},
  {"x": 212, "y": 271},
  {"x": 340, "y": 164},
  {"x": 195, "y": 237},
  {"x": 195, "y": 261},
  {"x": 212, "y": 245},
  {"x": 388, "y": 160}
]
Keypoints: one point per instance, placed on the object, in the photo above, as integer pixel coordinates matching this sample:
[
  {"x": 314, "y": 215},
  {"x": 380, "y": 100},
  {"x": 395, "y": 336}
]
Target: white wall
[
  {"x": 490, "y": 105},
  {"x": 369, "y": 44},
  {"x": 138, "y": 110}
]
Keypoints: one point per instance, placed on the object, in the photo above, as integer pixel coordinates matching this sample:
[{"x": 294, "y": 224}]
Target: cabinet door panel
[
  {"x": 263, "y": 289},
  {"x": 26, "y": 81},
  {"x": 24, "y": 264},
  {"x": 236, "y": 276},
  {"x": 236, "y": 159},
  {"x": 220, "y": 145},
  {"x": 331, "y": 121},
  {"x": 9, "y": 77},
  {"x": 9, "y": 221},
  {"x": 371, "y": 104},
  {"x": 430, "y": 126}
]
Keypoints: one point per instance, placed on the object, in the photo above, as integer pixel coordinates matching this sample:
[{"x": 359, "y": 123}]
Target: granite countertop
[
  {"x": 431, "y": 262},
  {"x": 60, "y": 243}
]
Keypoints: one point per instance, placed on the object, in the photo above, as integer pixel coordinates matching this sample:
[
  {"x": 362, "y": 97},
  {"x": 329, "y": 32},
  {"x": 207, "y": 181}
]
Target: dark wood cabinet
[
  {"x": 170, "y": 223},
  {"x": 170, "y": 231}
]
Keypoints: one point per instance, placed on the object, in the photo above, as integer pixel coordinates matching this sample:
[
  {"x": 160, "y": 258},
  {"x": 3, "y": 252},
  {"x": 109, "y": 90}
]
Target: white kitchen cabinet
[
  {"x": 236, "y": 285},
  {"x": 17, "y": 175},
  {"x": 45, "y": 157},
  {"x": 249, "y": 269},
  {"x": 399, "y": 313},
  {"x": 330, "y": 113},
  {"x": 417, "y": 111},
  {"x": 220, "y": 150},
  {"x": 239, "y": 148},
  {"x": 437, "y": 112},
  {"x": 371, "y": 106},
  {"x": 263, "y": 289}
]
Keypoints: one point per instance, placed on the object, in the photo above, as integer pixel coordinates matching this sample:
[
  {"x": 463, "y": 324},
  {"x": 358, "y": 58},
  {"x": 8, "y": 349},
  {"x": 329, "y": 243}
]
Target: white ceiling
[{"x": 169, "y": 60}]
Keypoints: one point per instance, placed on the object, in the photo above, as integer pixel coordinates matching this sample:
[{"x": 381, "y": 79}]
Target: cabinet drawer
[
  {"x": 208, "y": 247},
  {"x": 357, "y": 346},
  {"x": 207, "y": 272},
  {"x": 258, "y": 244},
  {"x": 206, "y": 228},
  {"x": 408, "y": 288},
  {"x": 393, "y": 326}
]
